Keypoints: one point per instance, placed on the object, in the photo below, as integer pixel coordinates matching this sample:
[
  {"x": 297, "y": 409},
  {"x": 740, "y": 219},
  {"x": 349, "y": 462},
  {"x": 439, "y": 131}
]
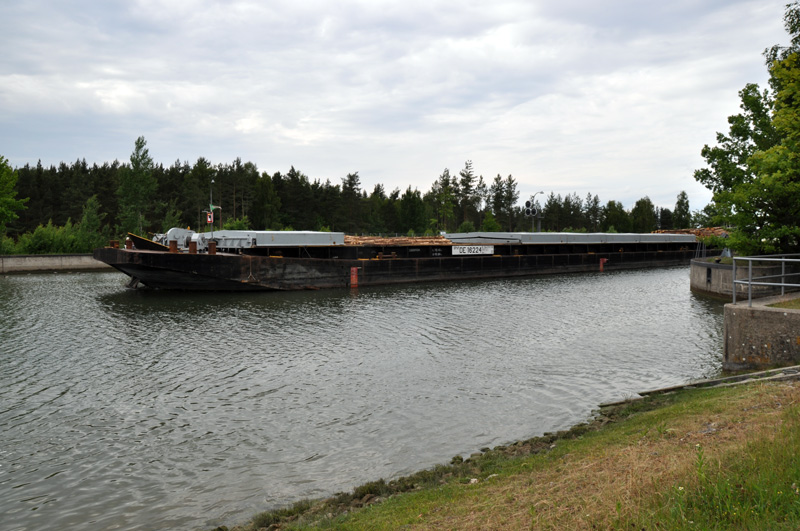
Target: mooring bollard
[{"x": 603, "y": 263}]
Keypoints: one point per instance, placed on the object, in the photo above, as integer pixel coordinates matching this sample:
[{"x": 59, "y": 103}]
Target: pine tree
[{"x": 137, "y": 189}]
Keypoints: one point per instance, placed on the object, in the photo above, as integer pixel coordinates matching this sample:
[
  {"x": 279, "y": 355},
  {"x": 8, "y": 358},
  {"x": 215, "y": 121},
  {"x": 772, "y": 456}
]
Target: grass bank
[
  {"x": 721, "y": 458},
  {"x": 793, "y": 304}
]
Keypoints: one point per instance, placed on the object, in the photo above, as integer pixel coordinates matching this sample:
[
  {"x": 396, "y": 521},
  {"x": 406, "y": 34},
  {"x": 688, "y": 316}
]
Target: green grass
[
  {"x": 793, "y": 304},
  {"x": 756, "y": 488}
]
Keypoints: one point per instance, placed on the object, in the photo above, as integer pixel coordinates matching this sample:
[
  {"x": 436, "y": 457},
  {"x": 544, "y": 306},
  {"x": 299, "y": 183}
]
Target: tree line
[{"x": 73, "y": 207}]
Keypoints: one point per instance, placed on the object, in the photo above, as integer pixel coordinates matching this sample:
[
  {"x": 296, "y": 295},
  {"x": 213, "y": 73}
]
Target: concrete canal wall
[
  {"x": 757, "y": 336},
  {"x": 49, "y": 262},
  {"x": 760, "y": 336},
  {"x": 716, "y": 279}
]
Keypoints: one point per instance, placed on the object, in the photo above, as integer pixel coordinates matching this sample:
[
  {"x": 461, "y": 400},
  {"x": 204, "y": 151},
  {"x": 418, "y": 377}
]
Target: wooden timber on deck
[{"x": 410, "y": 241}]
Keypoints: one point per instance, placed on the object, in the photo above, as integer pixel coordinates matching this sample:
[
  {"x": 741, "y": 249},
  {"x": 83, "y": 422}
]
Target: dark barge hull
[{"x": 301, "y": 268}]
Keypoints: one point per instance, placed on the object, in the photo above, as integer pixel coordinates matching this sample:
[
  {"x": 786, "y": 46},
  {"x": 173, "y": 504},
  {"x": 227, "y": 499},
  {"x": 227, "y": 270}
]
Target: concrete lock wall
[
  {"x": 758, "y": 337},
  {"x": 715, "y": 279},
  {"x": 62, "y": 262}
]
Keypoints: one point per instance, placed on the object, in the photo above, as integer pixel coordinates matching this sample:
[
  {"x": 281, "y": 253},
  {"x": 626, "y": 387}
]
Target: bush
[
  {"x": 50, "y": 239},
  {"x": 7, "y": 245}
]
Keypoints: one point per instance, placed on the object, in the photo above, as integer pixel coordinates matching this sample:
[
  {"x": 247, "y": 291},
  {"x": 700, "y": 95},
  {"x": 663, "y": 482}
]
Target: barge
[
  {"x": 292, "y": 260},
  {"x": 229, "y": 260}
]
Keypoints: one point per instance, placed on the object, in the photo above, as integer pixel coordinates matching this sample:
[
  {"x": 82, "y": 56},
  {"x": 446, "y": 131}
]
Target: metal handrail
[{"x": 783, "y": 259}]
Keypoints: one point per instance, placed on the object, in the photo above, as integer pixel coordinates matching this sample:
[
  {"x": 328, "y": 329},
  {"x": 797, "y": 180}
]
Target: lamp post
[
  {"x": 532, "y": 211},
  {"x": 211, "y": 205},
  {"x": 538, "y": 214}
]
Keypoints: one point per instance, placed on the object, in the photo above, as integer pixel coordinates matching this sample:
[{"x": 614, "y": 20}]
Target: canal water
[{"x": 149, "y": 410}]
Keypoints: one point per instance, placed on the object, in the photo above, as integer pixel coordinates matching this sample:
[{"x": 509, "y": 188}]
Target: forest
[{"x": 74, "y": 207}]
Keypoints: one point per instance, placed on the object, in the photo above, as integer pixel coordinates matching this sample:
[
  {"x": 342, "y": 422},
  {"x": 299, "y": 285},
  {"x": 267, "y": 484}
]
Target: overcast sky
[{"x": 615, "y": 98}]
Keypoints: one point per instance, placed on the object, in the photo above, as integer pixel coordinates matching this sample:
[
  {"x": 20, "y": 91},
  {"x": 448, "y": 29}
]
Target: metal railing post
[
  {"x": 783, "y": 275},
  {"x": 767, "y": 277}
]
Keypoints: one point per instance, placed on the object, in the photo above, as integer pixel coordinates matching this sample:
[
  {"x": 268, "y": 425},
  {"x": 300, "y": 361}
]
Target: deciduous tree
[
  {"x": 766, "y": 209},
  {"x": 643, "y": 216},
  {"x": 615, "y": 218},
  {"x": 9, "y": 204},
  {"x": 754, "y": 171}
]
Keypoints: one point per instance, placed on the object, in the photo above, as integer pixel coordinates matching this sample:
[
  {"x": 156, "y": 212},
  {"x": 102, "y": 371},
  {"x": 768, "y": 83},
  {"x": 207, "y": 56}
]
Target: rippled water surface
[{"x": 132, "y": 409}]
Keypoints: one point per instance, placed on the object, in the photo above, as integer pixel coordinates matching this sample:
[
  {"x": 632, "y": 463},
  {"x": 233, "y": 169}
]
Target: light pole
[
  {"x": 211, "y": 205},
  {"x": 531, "y": 210},
  {"x": 538, "y": 214}
]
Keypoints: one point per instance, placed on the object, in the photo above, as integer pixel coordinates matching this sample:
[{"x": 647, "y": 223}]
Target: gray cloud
[{"x": 614, "y": 98}]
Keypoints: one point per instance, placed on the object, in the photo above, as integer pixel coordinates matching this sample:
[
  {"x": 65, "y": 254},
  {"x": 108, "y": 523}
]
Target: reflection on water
[{"x": 137, "y": 409}]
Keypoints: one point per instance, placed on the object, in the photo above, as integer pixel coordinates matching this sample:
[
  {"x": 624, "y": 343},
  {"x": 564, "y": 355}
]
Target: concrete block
[{"x": 760, "y": 336}]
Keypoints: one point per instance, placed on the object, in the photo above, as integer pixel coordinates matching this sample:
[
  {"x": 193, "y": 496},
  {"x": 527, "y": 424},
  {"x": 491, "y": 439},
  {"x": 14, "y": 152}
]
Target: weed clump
[{"x": 269, "y": 518}]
